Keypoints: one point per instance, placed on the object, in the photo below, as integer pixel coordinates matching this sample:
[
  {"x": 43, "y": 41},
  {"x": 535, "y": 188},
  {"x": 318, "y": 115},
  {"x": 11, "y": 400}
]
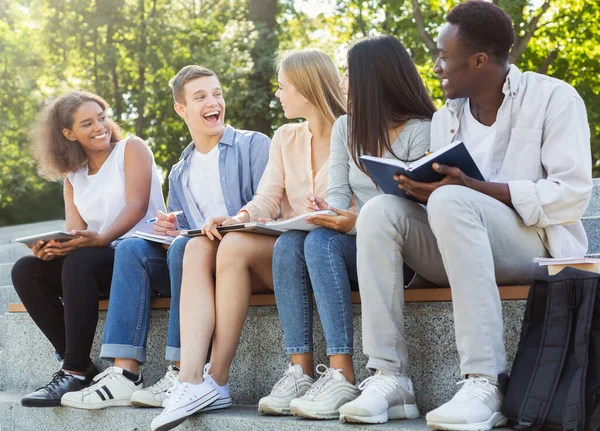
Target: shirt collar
[{"x": 226, "y": 138}]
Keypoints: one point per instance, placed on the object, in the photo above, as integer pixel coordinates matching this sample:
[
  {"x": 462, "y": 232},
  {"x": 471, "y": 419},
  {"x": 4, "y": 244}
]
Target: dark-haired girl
[
  {"x": 390, "y": 111},
  {"x": 110, "y": 186}
]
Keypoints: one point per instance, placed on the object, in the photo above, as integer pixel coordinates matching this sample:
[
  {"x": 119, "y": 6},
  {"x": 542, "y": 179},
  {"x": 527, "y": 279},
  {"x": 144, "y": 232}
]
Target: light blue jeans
[
  {"x": 142, "y": 269},
  {"x": 324, "y": 262}
]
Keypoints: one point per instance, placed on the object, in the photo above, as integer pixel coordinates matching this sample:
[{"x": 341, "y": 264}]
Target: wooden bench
[{"x": 410, "y": 295}]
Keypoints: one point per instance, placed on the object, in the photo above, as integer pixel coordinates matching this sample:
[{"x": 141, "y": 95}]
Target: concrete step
[
  {"x": 5, "y": 269},
  {"x": 592, "y": 229},
  {"x": 27, "y": 359},
  {"x": 15, "y": 417},
  {"x": 9, "y": 233},
  {"x": 7, "y": 296},
  {"x": 10, "y": 253},
  {"x": 593, "y": 208}
]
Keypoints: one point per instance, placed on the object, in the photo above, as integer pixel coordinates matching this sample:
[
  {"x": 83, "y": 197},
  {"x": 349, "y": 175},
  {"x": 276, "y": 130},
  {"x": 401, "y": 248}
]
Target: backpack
[{"x": 555, "y": 378}]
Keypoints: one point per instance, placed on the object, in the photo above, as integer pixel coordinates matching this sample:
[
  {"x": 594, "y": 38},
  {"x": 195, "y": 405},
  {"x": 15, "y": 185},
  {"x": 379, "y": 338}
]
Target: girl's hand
[
  {"x": 85, "y": 238},
  {"x": 315, "y": 203},
  {"x": 242, "y": 217},
  {"x": 38, "y": 250},
  {"x": 343, "y": 222},
  {"x": 210, "y": 227}
]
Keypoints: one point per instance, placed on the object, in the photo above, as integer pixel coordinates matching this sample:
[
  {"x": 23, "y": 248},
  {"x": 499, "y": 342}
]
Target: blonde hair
[
  {"x": 57, "y": 156},
  {"x": 312, "y": 72}
]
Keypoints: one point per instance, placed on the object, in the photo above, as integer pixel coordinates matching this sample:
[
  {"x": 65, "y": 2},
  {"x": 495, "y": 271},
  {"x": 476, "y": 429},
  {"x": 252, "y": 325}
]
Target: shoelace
[
  {"x": 168, "y": 379},
  {"x": 325, "y": 381},
  {"x": 283, "y": 383},
  {"x": 479, "y": 387},
  {"x": 379, "y": 383},
  {"x": 57, "y": 377}
]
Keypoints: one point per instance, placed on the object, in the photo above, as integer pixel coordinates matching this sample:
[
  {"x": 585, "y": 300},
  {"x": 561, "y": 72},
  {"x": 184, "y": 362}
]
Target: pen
[{"x": 175, "y": 213}]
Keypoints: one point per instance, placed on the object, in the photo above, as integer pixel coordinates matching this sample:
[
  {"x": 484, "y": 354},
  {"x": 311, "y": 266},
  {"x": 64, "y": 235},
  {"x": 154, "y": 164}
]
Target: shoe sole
[
  {"x": 497, "y": 420},
  {"x": 40, "y": 403},
  {"x": 210, "y": 399},
  {"x": 221, "y": 403},
  {"x": 273, "y": 411},
  {"x": 149, "y": 404},
  {"x": 409, "y": 411},
  {"x": 314, "y": 415},
  {"x": 96, "y": 406}
]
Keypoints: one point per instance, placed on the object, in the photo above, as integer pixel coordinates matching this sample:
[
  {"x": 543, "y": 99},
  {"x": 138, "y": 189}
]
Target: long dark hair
[{"x": 384, "y": 89}]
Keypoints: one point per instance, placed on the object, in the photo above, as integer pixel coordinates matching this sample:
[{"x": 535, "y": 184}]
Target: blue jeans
[
  {"x": 324, "y": 262},
  {"x": 142, "y": 269}
]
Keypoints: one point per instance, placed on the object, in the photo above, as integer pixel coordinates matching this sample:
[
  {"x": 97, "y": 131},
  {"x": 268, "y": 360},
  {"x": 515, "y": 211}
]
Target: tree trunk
[
  {"x": 262, "y": 13},
  {"x": 112, "y": 61},
  {"x": 141, "y": 103}
]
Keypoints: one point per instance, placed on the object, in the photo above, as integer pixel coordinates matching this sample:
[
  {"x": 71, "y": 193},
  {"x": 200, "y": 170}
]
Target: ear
[
  {"x": 180, "y": 109},
  {"x": 69, "y": 135},
  {"x": 481, "y": 59}
]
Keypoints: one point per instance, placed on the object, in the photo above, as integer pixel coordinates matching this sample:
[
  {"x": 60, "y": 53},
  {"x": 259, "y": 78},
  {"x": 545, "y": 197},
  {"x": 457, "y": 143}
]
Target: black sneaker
[{"x": 61, "y": 383}]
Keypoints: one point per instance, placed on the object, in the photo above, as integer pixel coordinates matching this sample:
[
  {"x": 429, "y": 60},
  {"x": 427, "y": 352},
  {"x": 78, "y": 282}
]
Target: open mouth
[
  {"x": 100, "y": 136},
  {"x": 212, "y": 117}
]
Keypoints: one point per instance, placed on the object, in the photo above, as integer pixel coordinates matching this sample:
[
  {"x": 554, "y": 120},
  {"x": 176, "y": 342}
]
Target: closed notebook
[
  {"x": 161, "y": 239},
  {"x": 454, "y": 155}
]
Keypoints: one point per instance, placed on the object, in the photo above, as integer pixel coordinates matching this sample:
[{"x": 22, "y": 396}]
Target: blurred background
[{"x": 127, "y": 50}]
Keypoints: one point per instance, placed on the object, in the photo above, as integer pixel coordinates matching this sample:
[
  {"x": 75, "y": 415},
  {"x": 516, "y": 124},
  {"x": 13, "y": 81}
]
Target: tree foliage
[{"x": 127, "y": 50}]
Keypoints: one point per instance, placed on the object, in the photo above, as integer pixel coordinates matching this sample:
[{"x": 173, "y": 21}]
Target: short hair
[
  {"x": 312, "y": 72},
  {"x": 185, "y": 75},
  {"x": 483, "y": 27},
  {"x": 56, "y": 155}
]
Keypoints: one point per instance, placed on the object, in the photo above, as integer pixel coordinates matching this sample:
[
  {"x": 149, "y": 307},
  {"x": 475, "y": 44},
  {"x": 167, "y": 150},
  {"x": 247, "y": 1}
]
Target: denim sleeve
[
  {"x": 259, "y": 156},
  {"x": 174, "y": 204}
]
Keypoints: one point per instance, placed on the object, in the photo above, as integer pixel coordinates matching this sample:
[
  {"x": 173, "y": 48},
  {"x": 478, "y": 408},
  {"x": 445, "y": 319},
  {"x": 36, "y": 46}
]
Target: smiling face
[
  {"x": 204, "y": 108},
  {"x": 294, "y": 104},
  {"x": 91, "y": 128},
  {"x": 456, "y": 68}
]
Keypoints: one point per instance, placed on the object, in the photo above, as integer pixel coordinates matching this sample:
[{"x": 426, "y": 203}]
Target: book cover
[{"x": 383, "y": 170}]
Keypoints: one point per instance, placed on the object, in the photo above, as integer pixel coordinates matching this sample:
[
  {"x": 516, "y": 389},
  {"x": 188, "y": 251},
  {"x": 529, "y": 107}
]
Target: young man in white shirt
[{"x": 529, "y": 135}]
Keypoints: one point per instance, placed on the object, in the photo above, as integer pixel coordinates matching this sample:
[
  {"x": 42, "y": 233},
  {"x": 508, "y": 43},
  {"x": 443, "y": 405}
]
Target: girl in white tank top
[{"x": 111, "y": 187}]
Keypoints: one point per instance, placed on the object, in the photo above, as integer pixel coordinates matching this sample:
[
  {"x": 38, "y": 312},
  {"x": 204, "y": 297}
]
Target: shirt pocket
[{"x": 523, "y": 160}]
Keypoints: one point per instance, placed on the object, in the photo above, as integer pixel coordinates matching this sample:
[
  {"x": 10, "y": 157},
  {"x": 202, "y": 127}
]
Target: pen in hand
[{"x": 175, "y": 213}]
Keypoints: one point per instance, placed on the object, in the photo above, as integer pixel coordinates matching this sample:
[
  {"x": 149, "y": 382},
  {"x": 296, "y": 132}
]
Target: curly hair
[
  {"x": 57, "y": 156},
  {"x": 483, "y": 27}
]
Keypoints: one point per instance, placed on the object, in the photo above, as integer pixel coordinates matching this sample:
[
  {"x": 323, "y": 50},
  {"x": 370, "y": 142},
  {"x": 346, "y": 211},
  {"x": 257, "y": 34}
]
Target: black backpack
[{"x": 555, "y": 379}]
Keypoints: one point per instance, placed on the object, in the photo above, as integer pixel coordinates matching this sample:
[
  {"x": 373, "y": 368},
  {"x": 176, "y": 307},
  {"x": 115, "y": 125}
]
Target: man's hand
[
  {"x": 343, "y": 222},
  {"x": 165, "y": 224},
  {"x": 422, "y": 191}
]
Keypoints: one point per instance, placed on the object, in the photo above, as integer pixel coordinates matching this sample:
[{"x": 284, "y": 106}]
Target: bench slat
[{"x": 410, "y": 295}]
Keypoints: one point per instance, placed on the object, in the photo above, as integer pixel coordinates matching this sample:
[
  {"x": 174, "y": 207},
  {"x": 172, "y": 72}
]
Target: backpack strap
[
  {"x": 584, "y": 295},
  {"x": 551, "y": 356}
]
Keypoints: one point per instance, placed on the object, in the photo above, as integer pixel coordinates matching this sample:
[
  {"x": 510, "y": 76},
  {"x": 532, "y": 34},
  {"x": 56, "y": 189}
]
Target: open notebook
[{"x": 274, "y": 228}]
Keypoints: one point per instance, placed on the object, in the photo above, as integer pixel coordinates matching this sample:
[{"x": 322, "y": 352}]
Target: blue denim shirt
[{"x": 242, "y": 160}]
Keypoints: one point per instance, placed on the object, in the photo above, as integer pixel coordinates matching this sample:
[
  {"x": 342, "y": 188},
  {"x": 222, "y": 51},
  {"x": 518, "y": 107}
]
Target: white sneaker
[
  {"x": 153, "y": 396},
  {"x": 110, "y": 388},
  {"x": 326, "y": 395},
  {"x": 475, "y": 407},
  {"x": 224, "y": 400},
  {"x": 185, "y": 400},
  {"x": 293, "y": 384},
  {"x": 385, "y": 396}
]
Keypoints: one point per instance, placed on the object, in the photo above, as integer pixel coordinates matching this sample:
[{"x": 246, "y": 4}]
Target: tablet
[{"x": 57, "y": 235}]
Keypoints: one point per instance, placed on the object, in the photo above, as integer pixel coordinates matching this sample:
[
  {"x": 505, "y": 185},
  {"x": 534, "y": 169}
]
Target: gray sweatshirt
[{"x": 346, "y": 178}]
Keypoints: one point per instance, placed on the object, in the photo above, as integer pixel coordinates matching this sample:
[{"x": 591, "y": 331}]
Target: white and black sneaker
[
  {"x": 154, "y": 396},
  {"x": 112, "y": 387},
  {"x": 185, "y": 400}
]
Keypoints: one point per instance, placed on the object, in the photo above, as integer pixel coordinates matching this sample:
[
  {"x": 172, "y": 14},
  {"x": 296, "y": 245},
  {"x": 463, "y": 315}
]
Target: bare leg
[
  {"x": 345, "y": 363},
  {"x": 128, "y": 364},
  {"x": 305, "y": 360},
  {"x": 197, "y": 307},
  {"x": 244, "y": 261}
]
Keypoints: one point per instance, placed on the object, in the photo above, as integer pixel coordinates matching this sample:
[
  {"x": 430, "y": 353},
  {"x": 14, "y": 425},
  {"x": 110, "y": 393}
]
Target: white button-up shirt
[{"x": 542, "y": 150}]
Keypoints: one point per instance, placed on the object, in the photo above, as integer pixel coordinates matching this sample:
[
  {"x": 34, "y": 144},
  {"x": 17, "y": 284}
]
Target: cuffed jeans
[
  {"x": 142, "y": 269},
  {"x": 464, "y": 239},
  {"x": 322, "y": 261}
]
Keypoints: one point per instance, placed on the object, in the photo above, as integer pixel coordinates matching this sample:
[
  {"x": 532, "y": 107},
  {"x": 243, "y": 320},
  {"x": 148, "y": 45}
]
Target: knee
[
  {"x": 320, "y": 243},
  {"x": 24, "y": 269},
  {"x": 198, "y": 253},
  {"x": 234, "y": 250},
  {"x": 289, "y": 245},
  {"x": 131, "y": 248},
  {"x": 79, "y": 260},
  {"x": 177, "y": 249},
  {"x": 380, "y": 212},
  {"x": 447, "y": 203}
]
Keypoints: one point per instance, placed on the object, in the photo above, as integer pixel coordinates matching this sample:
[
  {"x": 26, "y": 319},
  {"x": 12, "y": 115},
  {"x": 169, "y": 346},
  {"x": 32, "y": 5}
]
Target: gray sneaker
[{"x": 293, "y": 384}]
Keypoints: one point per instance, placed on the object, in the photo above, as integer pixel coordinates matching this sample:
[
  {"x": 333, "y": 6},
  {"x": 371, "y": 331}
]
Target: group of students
[{"x": 528, "y": 134}]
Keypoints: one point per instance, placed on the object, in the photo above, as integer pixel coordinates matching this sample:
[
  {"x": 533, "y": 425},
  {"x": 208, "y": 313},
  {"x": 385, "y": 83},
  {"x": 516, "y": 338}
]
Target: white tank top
[{"x": 100, "y": 198}]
